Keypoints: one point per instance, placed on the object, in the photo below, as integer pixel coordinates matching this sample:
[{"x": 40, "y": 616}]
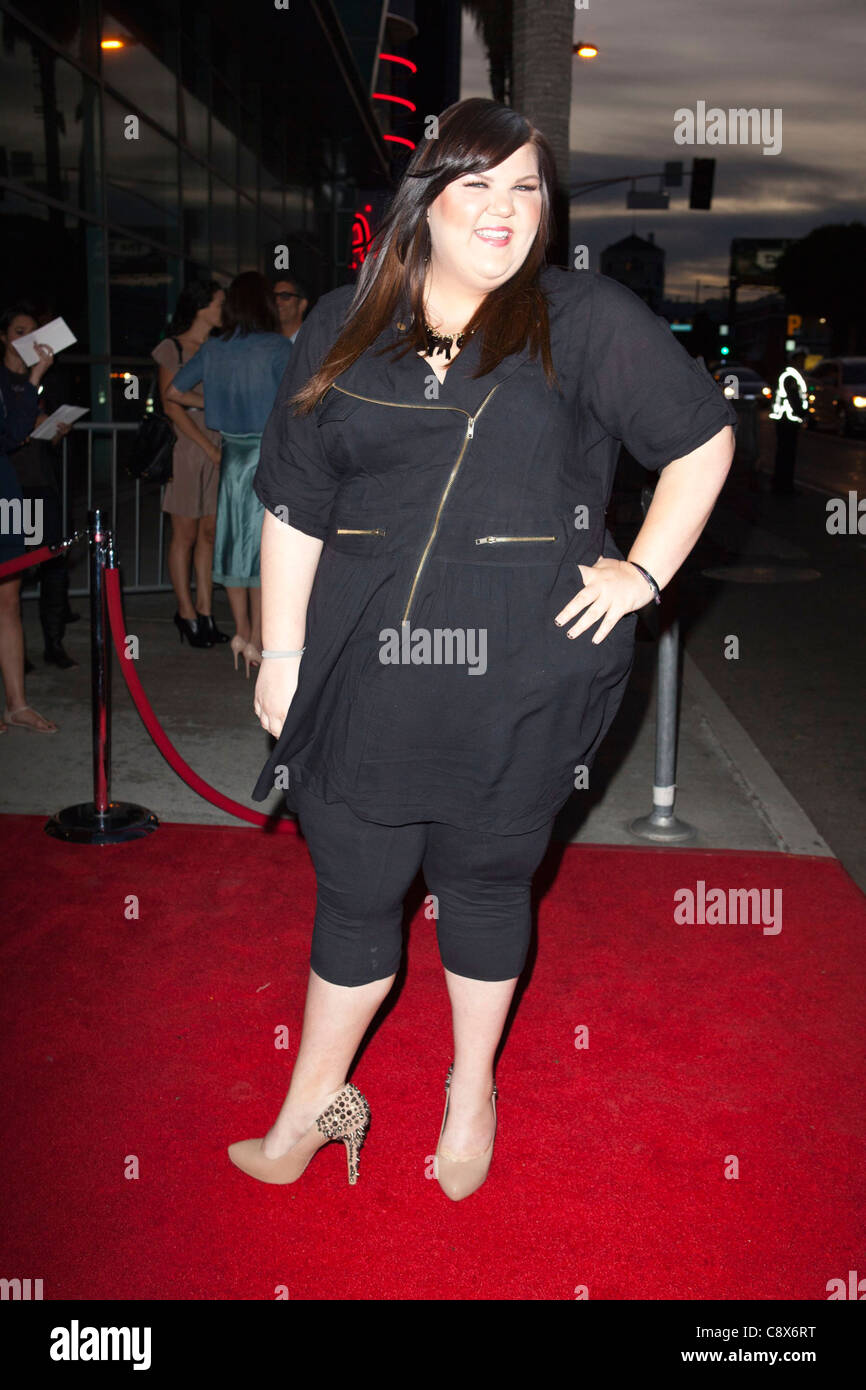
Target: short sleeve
[
  {"x": 192, "y": 372},
  {"x": 165, "y": 354},
  {"x": 295, "y": 479},
  {"x": 641, "y": 384}
]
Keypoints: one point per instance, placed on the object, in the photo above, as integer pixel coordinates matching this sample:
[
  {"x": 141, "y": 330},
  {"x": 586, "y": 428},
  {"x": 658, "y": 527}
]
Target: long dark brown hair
[
  {"x": 250, "y": 306},
  {"x": 474, "y": 135}
]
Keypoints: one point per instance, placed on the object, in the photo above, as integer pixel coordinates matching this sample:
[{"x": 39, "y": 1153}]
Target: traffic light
[{"x": 703, "y": 173}]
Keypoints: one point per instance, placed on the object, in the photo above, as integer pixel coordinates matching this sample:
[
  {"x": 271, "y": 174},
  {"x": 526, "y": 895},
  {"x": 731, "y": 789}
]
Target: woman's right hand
[
  {"x": 275, "y": 689},
  {"x": 46, "y": 358}
]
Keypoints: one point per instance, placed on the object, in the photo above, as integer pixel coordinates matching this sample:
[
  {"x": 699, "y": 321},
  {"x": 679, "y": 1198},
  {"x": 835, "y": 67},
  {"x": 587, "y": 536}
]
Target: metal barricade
[{"x": 99, "y": 482}]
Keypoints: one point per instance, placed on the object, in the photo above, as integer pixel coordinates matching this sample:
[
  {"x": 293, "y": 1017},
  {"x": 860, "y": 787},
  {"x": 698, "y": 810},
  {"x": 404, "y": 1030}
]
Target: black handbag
[{"x": 150, "y": 457}]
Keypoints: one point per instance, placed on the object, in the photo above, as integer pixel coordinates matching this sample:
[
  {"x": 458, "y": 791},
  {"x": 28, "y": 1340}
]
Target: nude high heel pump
[
  {"x": 252, "y": 657},
  {"x": 237, "y": 645},
  {"x": 460, "y": 1177},
  {"x": 346, "y": 1118}
]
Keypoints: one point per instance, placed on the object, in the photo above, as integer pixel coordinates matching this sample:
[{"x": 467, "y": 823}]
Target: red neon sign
[{"x": 395, "y": 58}]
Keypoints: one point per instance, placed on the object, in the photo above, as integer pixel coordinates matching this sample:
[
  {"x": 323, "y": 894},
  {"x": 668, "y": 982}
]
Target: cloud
[{"x": 796, "y": 55}]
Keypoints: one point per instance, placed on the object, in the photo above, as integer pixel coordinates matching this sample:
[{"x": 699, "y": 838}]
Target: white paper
[
  {"x": 63, "y": 415},
  {"x": 57, "y": 335}
]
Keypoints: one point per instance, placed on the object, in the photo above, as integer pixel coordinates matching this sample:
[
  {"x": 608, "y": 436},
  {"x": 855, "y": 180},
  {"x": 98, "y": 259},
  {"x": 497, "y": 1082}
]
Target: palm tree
[
  {"x": 493, "y": 21},
  {"x": 530, "y": 69}
]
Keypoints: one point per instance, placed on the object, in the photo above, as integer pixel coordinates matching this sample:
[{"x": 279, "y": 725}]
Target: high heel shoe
[
  {"x": 237, "y": 646},
  {"x": 190, "y": 629},
  {"x": 457, "y": 1176},
  {"x": 252, "y": 657},
  {"x": 346, "y": 1118},
  {"x": 207, "y": 625}
]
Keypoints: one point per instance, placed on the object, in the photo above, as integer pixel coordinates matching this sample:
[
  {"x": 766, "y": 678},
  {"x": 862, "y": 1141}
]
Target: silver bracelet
[{"x": 298, "y": 653}]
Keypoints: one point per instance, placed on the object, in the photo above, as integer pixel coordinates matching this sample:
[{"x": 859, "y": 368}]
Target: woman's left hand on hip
[{"x": 611, "y": 589}]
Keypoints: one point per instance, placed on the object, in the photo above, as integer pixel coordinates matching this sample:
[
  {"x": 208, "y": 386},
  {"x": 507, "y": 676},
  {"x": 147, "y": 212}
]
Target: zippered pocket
[
  {"x": 496, "y": 540},
  {"x": 360, "y": 531}
]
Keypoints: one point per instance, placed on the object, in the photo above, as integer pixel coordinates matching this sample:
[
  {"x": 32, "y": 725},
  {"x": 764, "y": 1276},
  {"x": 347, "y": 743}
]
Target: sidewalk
[{"x": 726, "y": 789}]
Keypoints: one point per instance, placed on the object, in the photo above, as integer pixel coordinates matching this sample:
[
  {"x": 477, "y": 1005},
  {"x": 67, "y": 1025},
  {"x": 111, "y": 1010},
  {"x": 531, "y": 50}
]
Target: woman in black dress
[{"x": 448, "y": 626}]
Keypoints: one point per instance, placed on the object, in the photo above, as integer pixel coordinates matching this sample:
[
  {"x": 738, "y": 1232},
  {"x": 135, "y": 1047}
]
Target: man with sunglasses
[{"x": 292, "y": 302}]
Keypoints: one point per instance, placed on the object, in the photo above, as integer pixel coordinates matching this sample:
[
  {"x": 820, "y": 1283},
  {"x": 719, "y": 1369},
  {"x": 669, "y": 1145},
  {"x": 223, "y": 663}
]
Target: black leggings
[{"x": 481, "y": 883}]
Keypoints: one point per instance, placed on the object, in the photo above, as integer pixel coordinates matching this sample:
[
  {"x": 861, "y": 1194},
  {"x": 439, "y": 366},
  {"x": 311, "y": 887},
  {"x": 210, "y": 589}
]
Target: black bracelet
[{"x": 649, "y": 579}]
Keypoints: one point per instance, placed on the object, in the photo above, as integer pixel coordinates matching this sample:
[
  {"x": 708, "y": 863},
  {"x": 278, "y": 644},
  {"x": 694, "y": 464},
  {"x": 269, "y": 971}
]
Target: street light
[{"x": 585, "y": 50}]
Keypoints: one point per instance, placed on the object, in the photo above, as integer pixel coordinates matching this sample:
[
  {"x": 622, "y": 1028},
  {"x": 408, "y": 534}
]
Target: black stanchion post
[
  {"x": 101, "y": 821},
  {"x": 662, "y": 826},
  {"x": 100, "y": 667}
]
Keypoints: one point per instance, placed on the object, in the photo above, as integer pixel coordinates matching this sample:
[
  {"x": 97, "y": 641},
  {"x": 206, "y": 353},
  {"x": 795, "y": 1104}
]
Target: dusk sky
[{"x": 655, "y": 56}]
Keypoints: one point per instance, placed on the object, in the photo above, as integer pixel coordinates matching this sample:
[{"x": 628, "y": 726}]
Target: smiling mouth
[{"x": 494, "y": 237}]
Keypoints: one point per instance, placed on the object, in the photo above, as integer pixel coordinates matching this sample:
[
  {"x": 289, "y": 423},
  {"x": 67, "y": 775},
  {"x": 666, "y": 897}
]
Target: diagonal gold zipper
[
  {"x": 470, "y": 430},
  {"x": 353, "y": 531},
  {"x": 400, "y": 405}
]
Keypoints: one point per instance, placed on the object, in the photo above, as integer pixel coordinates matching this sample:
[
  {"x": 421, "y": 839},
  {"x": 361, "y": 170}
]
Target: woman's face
[
  {"x": 214, "y": 311},
  {"x": 468, "y": 213},
  {"x": 18, "y": 328}
]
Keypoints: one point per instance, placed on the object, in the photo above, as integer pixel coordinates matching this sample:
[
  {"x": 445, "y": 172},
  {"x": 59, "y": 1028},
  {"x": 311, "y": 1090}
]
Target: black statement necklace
[{"x": 437, "y": 342}]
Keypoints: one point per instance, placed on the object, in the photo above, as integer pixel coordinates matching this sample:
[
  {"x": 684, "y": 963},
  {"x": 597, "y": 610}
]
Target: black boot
[
  {"x": 191, "y": 629},
  {"x": 57, "y": 655},
  {"x": 207, "y": 624}
]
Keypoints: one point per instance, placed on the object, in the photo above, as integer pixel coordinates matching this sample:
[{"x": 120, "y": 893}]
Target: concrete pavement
[
  {"x": 727, "y": 791},
  {"x": 771, "y": 750}
]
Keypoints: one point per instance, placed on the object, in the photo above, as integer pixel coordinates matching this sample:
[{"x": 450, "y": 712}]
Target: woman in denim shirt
[{"x": 240, "y": 372}]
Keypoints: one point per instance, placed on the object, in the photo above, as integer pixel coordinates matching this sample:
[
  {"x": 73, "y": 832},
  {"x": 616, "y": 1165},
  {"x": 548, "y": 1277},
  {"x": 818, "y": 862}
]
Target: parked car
[
  {"x": 837, "y": 395},
  {"x": 750, "y": 385}
]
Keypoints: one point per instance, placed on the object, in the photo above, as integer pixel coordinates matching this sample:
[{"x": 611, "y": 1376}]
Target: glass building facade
[
  {"x": 145, "y": 145},
  {"x": 148, "y": 143}
]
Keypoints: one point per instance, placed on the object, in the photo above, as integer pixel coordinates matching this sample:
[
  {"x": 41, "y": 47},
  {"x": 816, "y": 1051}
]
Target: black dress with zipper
[{"x": 435, "y": 684}]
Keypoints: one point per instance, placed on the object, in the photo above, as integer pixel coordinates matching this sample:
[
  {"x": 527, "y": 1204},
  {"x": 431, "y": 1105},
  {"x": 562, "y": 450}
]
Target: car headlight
[
  {"x": 730, "y": 393},
  {"x": 859, "y": 402},
  {"x": 766, "y": 391}
]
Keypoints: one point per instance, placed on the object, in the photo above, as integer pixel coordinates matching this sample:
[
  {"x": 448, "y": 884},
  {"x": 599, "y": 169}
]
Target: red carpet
[{"x": 155, "y": 1038}]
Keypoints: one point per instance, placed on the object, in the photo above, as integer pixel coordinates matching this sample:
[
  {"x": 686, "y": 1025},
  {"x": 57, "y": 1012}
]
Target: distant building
[{"x": 640, "y": 265}]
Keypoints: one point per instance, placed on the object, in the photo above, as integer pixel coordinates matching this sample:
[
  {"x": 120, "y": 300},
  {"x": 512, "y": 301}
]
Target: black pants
[{"x": 480, "y": 882}]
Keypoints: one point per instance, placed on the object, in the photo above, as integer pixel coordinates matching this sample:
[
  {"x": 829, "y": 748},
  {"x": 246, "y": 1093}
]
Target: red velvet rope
[
  {"x": 33, "y": 557},
  {"x": 154, "y": 728}
]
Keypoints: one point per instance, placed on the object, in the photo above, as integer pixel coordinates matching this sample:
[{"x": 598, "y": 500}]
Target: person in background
[
  {"x": 241, "y": 372},
  {"x": 190, "y": 496},
  {"x": 36, "y": 464},
  {"x": 790, "y": 410},
  {"x": 292, "y": 302},
  {"x": 18, "y": 413}
]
